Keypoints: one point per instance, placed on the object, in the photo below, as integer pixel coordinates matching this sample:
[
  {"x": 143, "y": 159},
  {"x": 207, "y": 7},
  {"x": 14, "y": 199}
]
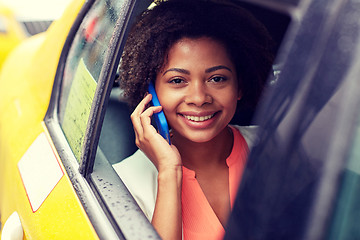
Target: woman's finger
[
  {"x": 145, "y": 117},
  {"x": 149, "y": 131},
  {"x": 135, "y": 116}
]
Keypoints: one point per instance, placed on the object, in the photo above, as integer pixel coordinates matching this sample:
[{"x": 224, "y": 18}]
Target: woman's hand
[
  {"x": 157, "y": 149},
  {"x": 167, "y": 213}
]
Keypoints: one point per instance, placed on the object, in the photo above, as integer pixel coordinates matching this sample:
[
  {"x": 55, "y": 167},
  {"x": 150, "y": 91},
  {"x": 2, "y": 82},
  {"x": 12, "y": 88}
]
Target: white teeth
[{"x": 199, "y": 119}]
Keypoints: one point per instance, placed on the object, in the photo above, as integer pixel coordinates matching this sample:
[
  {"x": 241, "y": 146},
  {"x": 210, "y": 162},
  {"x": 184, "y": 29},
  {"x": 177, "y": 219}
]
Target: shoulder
[
  {"x": 249, "y": 133},
  {"x": 137, "y": 161}
]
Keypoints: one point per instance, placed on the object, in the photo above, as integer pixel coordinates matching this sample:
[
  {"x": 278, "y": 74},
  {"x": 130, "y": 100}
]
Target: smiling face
[{"x": 198, "y": 89}]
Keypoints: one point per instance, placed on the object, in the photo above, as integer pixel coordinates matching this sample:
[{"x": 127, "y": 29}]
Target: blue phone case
[{"x": 160, "y": 119}]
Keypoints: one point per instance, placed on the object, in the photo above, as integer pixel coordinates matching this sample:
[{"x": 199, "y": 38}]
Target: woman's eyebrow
[
  {"x": 180, "y": 70},
  {"x": 213, "y": 69},
  {"x": 209, "y": 70}
]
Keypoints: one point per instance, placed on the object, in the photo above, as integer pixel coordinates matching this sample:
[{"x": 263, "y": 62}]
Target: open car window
[
  {"x": 93, "y": 118},
  {"x": 117, "y": 138}
]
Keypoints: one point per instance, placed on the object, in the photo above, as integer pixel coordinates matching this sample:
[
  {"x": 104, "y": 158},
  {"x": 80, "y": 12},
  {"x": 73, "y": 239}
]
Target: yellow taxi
[
  {"x": 11, "y": 32},
  {"x": 46, "y": 191},
  {"x": 64, "y": 123}
]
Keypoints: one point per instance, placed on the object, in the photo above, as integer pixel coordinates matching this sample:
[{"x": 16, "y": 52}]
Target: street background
[{"x": 27, "y": 10}]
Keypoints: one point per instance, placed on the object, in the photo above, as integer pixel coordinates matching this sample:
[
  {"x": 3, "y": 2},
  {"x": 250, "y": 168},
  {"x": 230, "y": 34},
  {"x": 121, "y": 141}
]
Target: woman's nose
[{"x": 198, "y": 95}]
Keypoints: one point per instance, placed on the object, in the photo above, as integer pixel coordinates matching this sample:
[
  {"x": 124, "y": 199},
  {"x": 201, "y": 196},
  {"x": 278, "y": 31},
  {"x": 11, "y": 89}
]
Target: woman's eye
[
  {"x": 218, "y": 79},
  {"x": 176, "y": 81}
]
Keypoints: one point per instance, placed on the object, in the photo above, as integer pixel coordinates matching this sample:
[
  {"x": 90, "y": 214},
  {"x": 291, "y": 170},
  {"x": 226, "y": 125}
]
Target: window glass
[
  {"x": 82, "y": 70},
  {"x": 117, "y": 142}
]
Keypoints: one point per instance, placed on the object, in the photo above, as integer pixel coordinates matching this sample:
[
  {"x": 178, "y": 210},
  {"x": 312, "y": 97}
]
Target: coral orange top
[{"x": 199, "y": 219}]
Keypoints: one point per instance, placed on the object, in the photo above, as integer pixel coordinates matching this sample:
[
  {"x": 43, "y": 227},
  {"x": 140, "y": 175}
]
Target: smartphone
[{"x": 159, "y": 118}]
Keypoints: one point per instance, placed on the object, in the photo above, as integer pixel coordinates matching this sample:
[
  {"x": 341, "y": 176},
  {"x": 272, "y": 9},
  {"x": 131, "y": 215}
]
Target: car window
[
  {"x": 116, "y": 142},
  {"x": 82, "y": 70}
]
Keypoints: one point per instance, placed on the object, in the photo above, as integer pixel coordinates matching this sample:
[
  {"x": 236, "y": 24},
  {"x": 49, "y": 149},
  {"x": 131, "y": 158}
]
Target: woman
[{"x": 204, "y": 58}]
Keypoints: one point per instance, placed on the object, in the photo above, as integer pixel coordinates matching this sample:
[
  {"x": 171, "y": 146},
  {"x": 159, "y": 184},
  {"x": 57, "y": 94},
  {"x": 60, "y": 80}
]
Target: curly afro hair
[{"x": 247, "y": 42}]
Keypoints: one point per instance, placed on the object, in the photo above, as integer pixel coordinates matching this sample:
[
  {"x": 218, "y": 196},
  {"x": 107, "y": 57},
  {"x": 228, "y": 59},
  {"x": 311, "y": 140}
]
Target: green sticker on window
[{"x": 78, "y": 108}]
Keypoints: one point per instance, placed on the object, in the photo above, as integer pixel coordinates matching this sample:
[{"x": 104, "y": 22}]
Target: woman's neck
[{"x": 206, "y": 154}]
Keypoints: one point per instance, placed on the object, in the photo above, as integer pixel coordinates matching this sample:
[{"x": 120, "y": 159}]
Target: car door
[{"x": 84, "y": 80}]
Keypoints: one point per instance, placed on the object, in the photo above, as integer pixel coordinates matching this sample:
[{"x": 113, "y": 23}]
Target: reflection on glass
[
  {"x": 86, "y": 55},
  {"x": 346, "y": 219}
]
